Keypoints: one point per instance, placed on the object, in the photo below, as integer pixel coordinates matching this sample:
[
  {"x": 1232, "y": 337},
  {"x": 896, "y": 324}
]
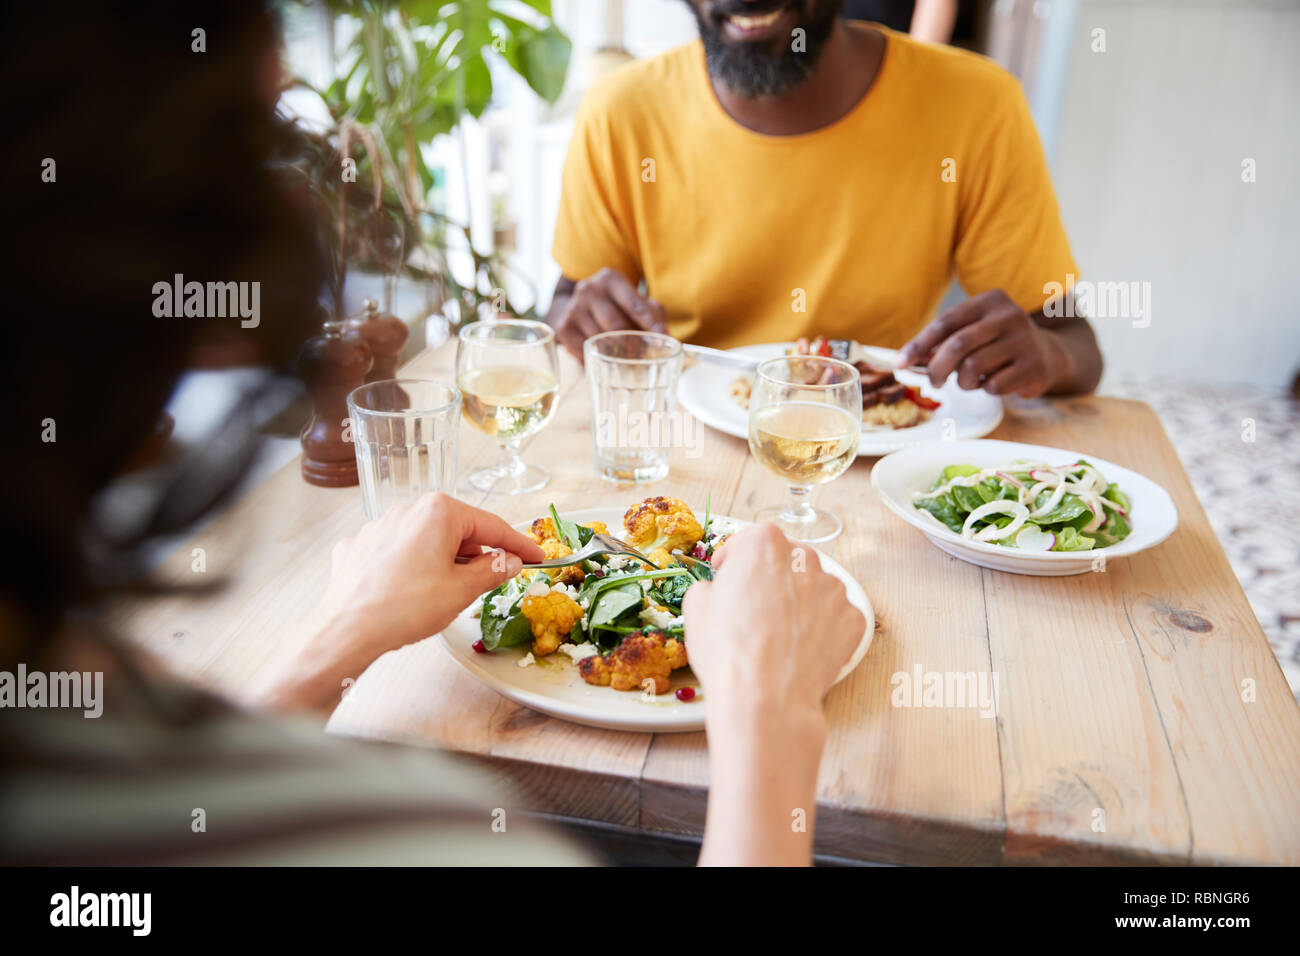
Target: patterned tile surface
[{"x": 1241, "y": 448}]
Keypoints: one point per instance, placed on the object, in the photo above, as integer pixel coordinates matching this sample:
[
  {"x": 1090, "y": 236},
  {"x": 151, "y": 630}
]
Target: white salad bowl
[
  {"x": 899, "y": 476},
  {"x": 554, "y": 686}
]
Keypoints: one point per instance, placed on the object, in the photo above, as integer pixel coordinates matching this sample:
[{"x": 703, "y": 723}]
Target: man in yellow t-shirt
[{"x": 794, "y": 174}]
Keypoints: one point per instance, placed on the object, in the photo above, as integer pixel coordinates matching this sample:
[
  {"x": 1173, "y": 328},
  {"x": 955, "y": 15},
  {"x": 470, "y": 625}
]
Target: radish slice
[
  {"x": 1031, "y": 538},
  {"x": 993, "y": 532}
]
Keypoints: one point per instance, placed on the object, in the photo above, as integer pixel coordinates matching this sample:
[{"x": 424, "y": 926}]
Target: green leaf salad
[
  {"x": 615, "y": 596},
  {"x": 1029, "y": 505}
]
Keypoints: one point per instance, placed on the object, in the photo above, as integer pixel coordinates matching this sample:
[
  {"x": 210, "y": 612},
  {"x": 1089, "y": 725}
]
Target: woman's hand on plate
[{"x": 396, "y": 581}]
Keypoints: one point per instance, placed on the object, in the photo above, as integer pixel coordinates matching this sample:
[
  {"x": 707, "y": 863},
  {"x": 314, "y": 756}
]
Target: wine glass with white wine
[
  {"x": 805, "y": 418},
  {"x": 509, "y": 375}
]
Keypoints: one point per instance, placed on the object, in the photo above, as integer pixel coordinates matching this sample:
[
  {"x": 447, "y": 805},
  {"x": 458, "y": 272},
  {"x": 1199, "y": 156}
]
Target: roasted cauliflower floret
[
  {"x": 543, "y": 529},
  {"x": 555, "y": 548},
  {"x": 551, "y": 616},
  {"x": 543, "y": 532},
  {"x": 659, "y": 525},
  {"x": 649, "y": 656}
]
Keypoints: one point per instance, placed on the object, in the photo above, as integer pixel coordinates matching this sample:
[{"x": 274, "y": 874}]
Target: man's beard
[{"x": 771, "y": 68}]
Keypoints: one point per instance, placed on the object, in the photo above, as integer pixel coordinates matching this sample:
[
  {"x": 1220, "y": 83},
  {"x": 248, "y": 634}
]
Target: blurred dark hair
[{"x": 160, "y": 168}]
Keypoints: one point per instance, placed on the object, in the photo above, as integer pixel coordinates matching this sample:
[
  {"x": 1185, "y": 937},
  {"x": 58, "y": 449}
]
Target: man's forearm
[{"x": 1079, "y": 359}]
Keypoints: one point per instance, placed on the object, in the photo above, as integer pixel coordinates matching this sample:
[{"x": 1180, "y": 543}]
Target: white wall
[{"x": 1149, "y": 173}]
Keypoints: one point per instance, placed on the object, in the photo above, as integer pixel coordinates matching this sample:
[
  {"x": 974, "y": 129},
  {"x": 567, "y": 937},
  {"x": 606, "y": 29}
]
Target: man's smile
[{"x": 748, "y": 28}]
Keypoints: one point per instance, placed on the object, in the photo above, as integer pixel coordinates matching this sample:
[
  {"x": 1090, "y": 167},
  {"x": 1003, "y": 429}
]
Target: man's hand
[
  {"x": 992, "y": 343},
  {"x": 605, "y": 302},
  {"x": 394, "y": 583}
]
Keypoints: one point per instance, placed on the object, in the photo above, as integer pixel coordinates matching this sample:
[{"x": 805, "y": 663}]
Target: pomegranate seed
[
  {"x": 699, "y": 552},
  {"x": 479, "y": 648},
  {"x": 597, "y": 574},
  {"x": 685, "y": 693}
]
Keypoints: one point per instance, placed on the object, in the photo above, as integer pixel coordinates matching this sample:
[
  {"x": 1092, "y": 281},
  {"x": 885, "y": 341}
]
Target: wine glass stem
[
  {"x": 510, "y": 463},
  {"x": 798, "y": 509}
]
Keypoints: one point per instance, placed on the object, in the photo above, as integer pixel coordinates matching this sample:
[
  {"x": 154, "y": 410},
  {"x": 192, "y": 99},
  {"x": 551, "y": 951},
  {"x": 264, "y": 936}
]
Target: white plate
[
  {"x": 554, "y": 687},
  {"x": 705, "y": 392},
  {"x": 895, "y": 477}
]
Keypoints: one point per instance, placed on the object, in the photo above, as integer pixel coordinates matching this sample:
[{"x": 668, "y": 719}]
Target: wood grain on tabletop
[{"x": 1121, "y": 733}]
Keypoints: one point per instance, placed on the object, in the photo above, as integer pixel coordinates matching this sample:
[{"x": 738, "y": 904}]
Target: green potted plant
[{"x": 408, "y": 73}]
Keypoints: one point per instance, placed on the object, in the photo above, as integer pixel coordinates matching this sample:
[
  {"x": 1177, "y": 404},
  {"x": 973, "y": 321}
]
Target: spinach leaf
[
  {"x": 1117, "y": 496},
  {"x": 505, "y": 631},
  {"x": 514, "y": 628},
  {"x": 1069, "y": 508},
  {"x": 1115, "y": 530},
  {"x": 570, "y": 532},
  {"x": 955, "y": 471},
  {"x": 1069, "y": 539},
  {"x": 672, "y": 591},
  {"x": 617, "y": 612},
  {"x": 613, "y": 602},
  {"x": 509, "y": 631},
  {"x": 994, "y": 489},
  {"x": 943, "y": 508},
  {"x": 968, "y": 499}
]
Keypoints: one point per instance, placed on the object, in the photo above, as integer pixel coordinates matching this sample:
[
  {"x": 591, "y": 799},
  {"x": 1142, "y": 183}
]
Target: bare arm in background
[{"x": 933, "y": 20}]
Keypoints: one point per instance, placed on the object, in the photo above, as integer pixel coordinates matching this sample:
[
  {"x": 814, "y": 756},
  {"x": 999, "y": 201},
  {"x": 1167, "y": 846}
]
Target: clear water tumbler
[
  {"x": 405, "y": 432},
  {"x": 633, "y": 380}
]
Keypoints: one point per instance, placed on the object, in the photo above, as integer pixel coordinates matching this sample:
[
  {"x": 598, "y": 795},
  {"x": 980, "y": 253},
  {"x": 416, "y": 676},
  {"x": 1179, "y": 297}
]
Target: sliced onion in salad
[{"x": 1017, "y": 510}]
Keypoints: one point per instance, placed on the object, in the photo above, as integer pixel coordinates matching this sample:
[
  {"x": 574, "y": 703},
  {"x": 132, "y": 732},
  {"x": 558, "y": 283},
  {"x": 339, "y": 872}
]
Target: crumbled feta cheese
[
  {"x": 658, "y": 617},
  {"x": 538, "y": 589},
  {"x": 579, "y": 652},
  {"x": 585, "y": 604},
  {"x": 527, "y": 660},
  {"x": 501, "y": 604},
  {"x": 719, "y": 526},
  {"x": 568, "y": 589},
  {"x": 616, "y": 561}
]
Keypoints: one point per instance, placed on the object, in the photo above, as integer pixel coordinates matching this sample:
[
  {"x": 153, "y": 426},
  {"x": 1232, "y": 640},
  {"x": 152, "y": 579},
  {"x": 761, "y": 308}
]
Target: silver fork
[
  {"x": 599, "y": 544},
  {"x": 747, "y": 364}
]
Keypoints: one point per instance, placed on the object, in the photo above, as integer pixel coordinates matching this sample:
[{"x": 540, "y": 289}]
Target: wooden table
[{"x": 1142, "y": 716}]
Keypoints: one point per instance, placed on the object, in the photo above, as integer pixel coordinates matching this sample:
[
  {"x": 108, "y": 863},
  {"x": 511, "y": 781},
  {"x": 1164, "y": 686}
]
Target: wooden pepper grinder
[
  {"x": 333, "y": 364},
  {"x": 386, "y": 334}
]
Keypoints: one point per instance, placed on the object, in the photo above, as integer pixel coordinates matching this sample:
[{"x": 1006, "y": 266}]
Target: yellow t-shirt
[{"x": 850, "y": 231}]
